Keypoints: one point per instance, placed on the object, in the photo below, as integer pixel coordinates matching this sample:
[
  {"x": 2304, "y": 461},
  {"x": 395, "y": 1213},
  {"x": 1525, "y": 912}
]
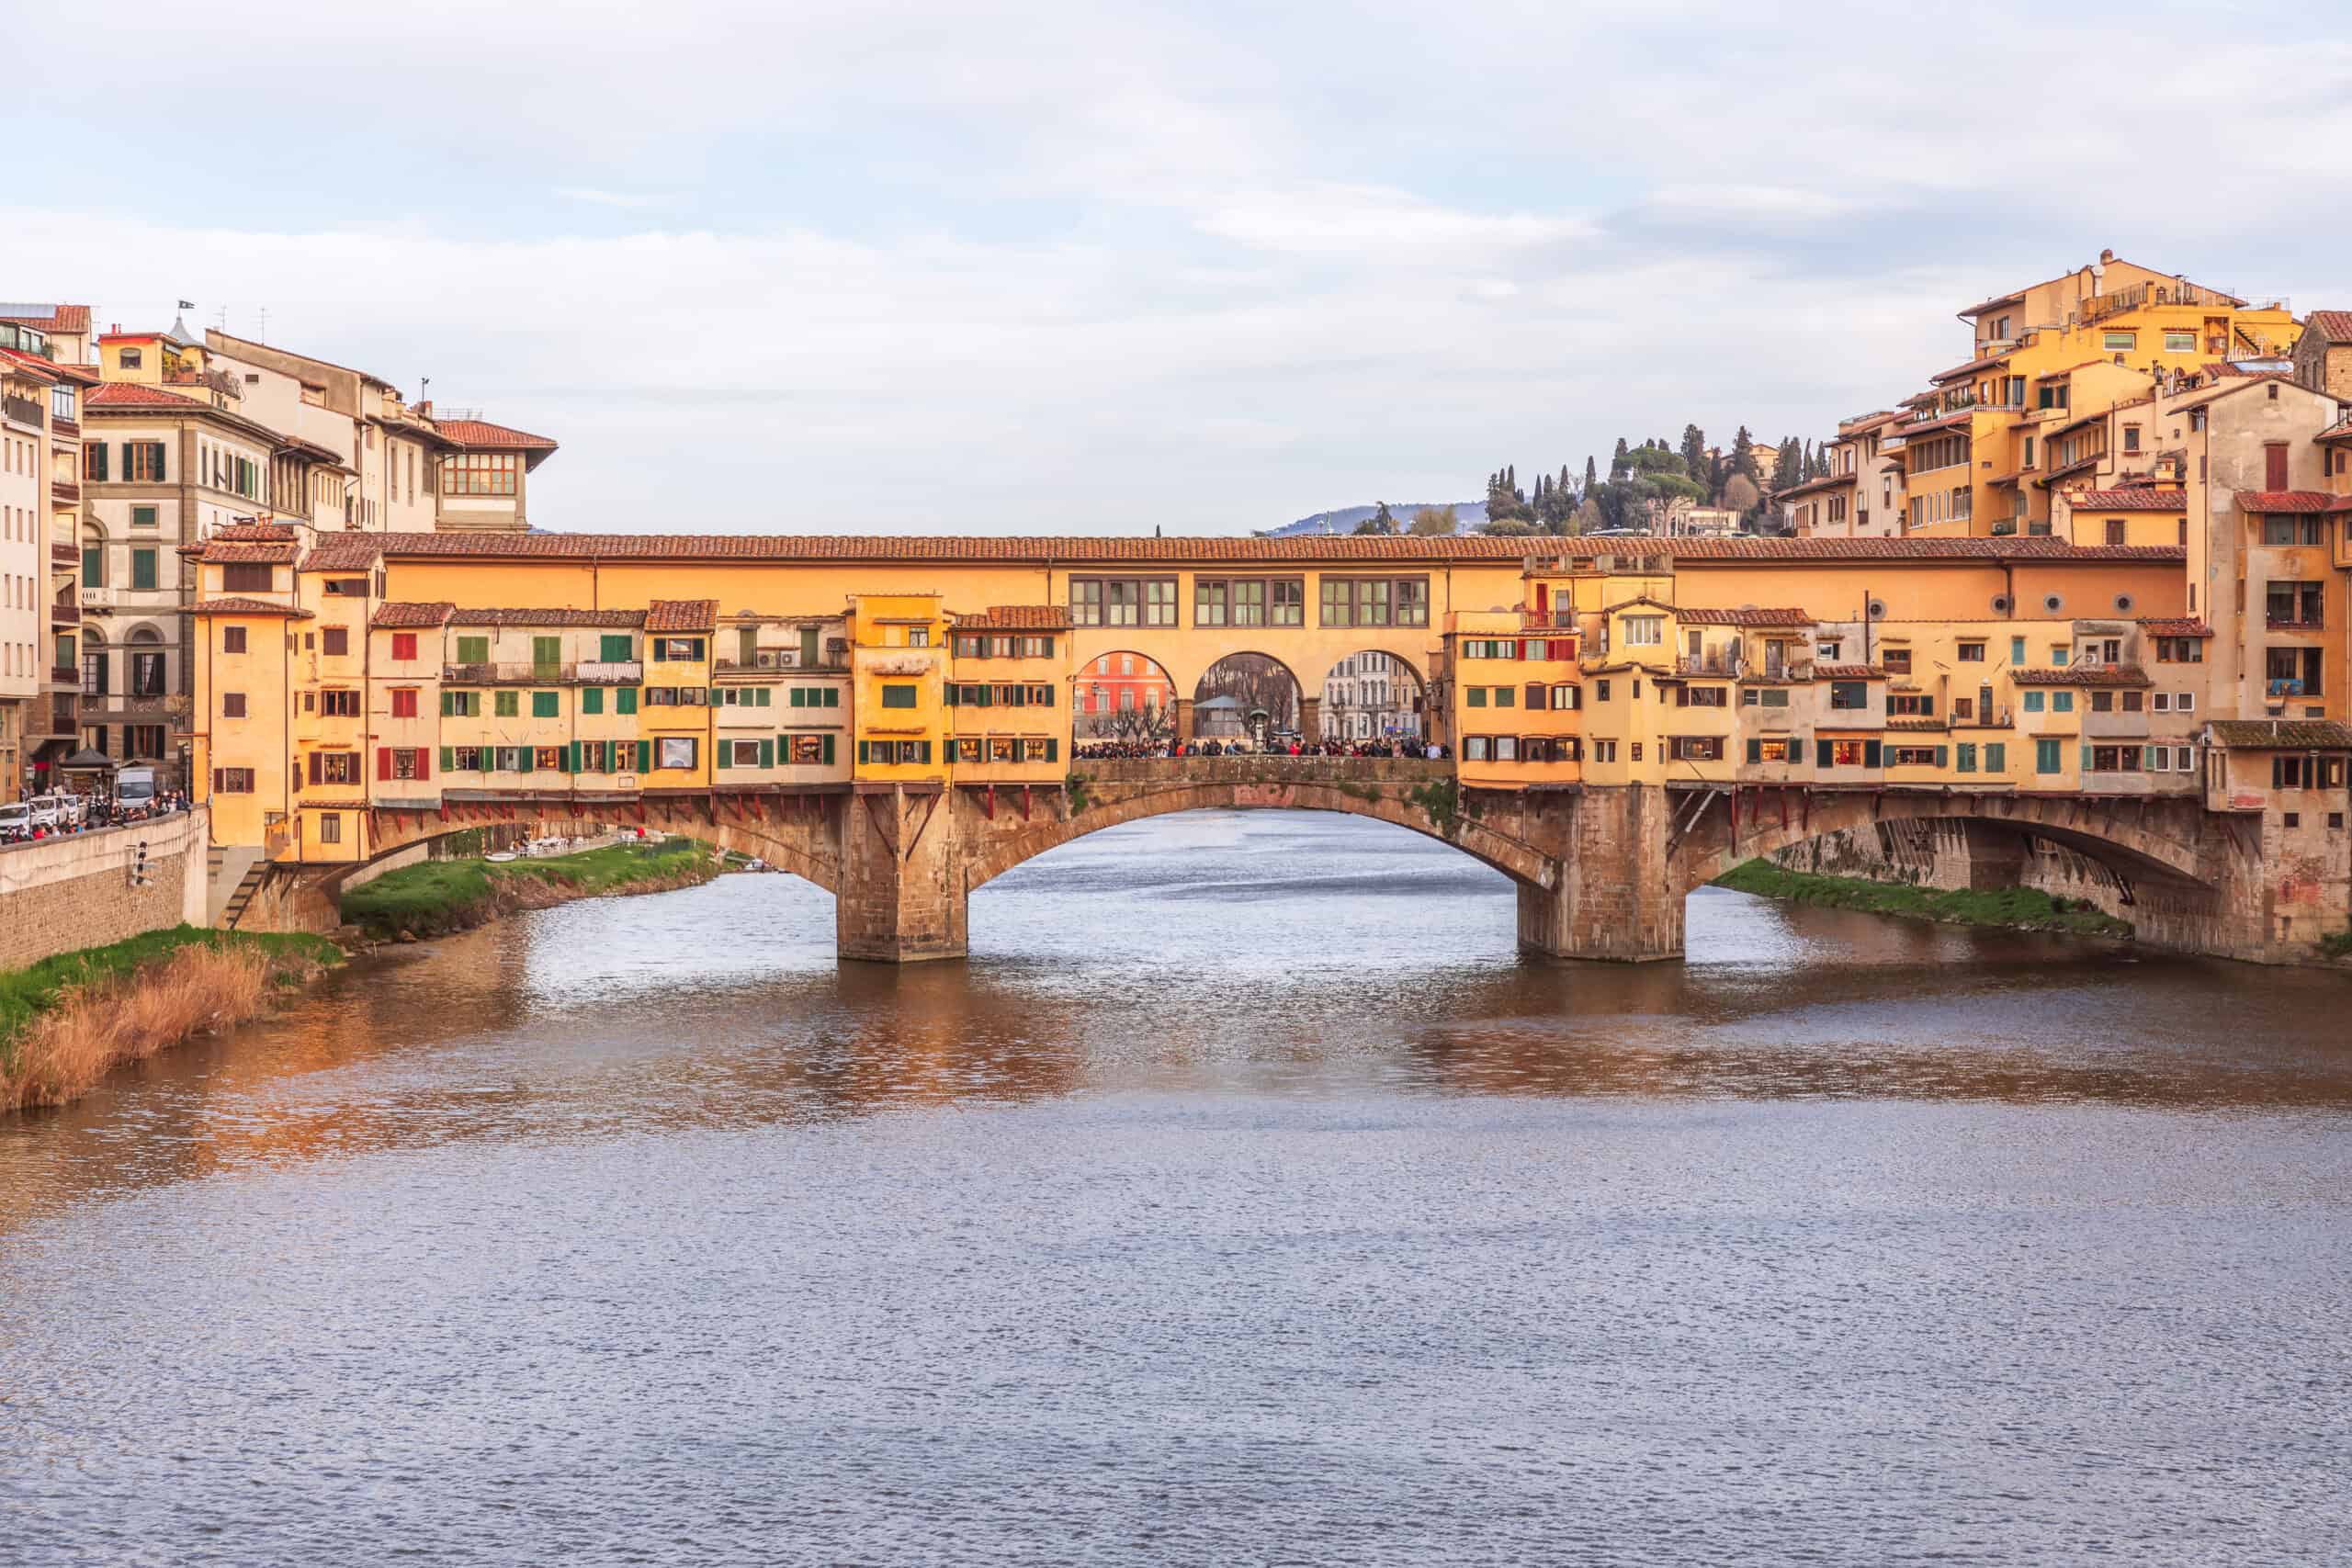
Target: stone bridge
[{"x": 1601, "y": 870}]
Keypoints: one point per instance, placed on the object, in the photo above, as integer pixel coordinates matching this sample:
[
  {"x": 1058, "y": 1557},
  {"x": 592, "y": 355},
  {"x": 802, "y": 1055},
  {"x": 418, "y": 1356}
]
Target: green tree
[
  {"x": 1380, "y": 521},
  {"x": 1743, "y": 461},
  {"x": 1694, "y": 454},
  {"x": 1591, "y": 478},
  {"x": 1431, "y": 520}
]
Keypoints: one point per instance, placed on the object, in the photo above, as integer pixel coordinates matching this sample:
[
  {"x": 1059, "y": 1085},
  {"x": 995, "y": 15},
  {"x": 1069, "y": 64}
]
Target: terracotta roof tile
[
  {"x": 1811, "y": 487},
  {"x": 2176, "y": 629},
  {"x": 61, "y": 319},
  {"x": 1342, "y": 550},
  {"x": 215, "y": 553},
  {"x": 255, "y": 533},
  {"x": 2336, "y": 432},
  {"x": 2135, "y": 498},
  {"x": 2260, "y": 500},
  {"x": 2258, "y": 734},
  {"x": 681, "y": 616},
  {"x": 1017, "y": 617},
  {"x": 546, "y": 618},
  {"x": 1918, "y": 725},
  {"x": 399, "y": 614},
  {"x": 236, "y": 606},
  {"x": 482, "y": 435},
  {"x": 1937, "y": 422},
  {"x": 1743, "y": 618},
  {"x": 1846, "y": 672},
  {"x": 1970, "y": 368},
  {"x": 2335, "y": 326},
  {"x": 2082, "y": 675},
  {"x": 130, "y": 395},
  {"x": 342, "y": 552}
]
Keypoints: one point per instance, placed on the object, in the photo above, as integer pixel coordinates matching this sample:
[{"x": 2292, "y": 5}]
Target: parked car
[
  {"x": 15, "y": 821},
  {"x": 46, "y": 811}
]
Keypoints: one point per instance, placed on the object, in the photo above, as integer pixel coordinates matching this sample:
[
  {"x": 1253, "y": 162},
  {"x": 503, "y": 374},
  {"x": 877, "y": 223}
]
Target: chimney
[{"x": 2106, "y": 256}]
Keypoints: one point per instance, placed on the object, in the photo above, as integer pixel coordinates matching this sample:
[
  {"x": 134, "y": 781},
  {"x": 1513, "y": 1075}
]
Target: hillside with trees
[{"x": 1645, "y": 480}]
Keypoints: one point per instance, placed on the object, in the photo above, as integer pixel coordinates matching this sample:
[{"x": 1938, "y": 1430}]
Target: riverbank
[
  {"x": 67, "y": 1022},
  {"x": 438, "y": 898},
  {"x": 2012, "y": 908}
]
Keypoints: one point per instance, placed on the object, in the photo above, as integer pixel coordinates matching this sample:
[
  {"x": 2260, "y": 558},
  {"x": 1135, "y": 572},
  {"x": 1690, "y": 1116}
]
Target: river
[{"x": 1244, "y": 1198}]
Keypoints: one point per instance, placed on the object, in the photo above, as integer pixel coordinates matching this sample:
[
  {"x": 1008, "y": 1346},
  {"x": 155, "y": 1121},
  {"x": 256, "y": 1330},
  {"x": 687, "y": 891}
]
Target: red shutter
[
  {"x": 314, "y": 768},
  {"x": 424, "y": 761},
  {"x": 2274, "y": 464},
  {"x": 383, "y": 762}
]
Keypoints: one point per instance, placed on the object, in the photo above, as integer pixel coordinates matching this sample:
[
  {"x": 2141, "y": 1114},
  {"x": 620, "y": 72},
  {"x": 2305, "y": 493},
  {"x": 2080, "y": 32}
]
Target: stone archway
[
  {"x": 1125, "y": 697},
  {"x": 1247, "y": 695},
  {"x": 1372, "y": 694}
]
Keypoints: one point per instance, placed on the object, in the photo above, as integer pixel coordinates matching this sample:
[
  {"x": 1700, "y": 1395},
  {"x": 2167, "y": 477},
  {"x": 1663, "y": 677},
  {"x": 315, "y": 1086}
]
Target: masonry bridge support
[{"x": 1601, "y": 870}]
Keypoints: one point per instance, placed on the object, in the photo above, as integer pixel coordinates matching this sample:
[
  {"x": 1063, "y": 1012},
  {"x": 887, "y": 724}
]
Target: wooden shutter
[
  {"x": 2086, "y": 757},
  {"x": 447, "y": 759},
  {"x": 1052, "y": 749},
  {"x": 316, "y": 770},
  {"x": 645, "y": 756},
  {"x": 767, "y": 753},
  {"x": 829, "y": 751},
  {"x": 1821, "y": 754},
  {"x": 383, "y": 762},
  {"x": 1943, "y": 755},
  {"x": 766, "y": 693},
  {"x": 1535, "y": 693},
  {"x": 1756, "y": 751},
  {"x": 424, "y": 762},
  {"x": 1871, "y": 753},
  {"x": 1682, "y": 696},
  {"x": 725, "y": 758},
  {"x": 863, "y": 752},
  {"x": 572, "y": 759}
]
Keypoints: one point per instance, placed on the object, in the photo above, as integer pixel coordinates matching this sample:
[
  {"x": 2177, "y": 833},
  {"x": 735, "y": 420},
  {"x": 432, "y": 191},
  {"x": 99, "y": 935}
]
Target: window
[
  {"x": 675, "y": 752},
  {"x": 142, "y": 568},
  {"x": 2061, "y": 702},
  {"x": 1967, "y": 759},
  {"x": 342, "y": 703},
  {"x": 625, "y": 700},
  {"x": 1567, "y": 697},
  {"x": 1123, "y": 601},
  {"x": 142, "y": 517},
  {"x": 1474, "y": 696},
  {"x": 346, "y": 587},
  {"x": 1917, "y": 757},
  {"x": 335, "y": 641},
  {"x": 2281, "y": 528},
  {"x": 1374, "y": 601},
  {"x": 679, "y": 649},
  {"x": 1701, "y": 697},
  {"x": 232, "y": 781},
  {"x": 2307, "y": 772},
  {"x": 460, "y": 704},
  {"x": 898, "y": 696},
  {"x": 2046, "y": 757},
  {"x": 1972, "y": 653},
  {"x": 2180, "y": 342},
  {"x": 746, "y": 753},
  {"x": 471, "y": 650},
  {"x": 245, "y": 577},
  {"x": 2115, "y": 342},
  {"x": 1911, "y": 706},
  {"x": 2291, "y": 671},
  {"x": 507, "y": 704},
  {"x": 479, "y": 473},
  {"x": 403, "y": 762},
  {"x": 1781, "y": 750},
  {"x": 335, "y": 767},
  {"x": 232, "y": 639},
  {"x": 2113, "y": 758},
  {"x": 808, "y": 750},
  {"x": 592, "y": 699},
  {"x": 1850, "y": 753},
  {"x": 547, "y": 705},
  {"x": 404, "y": 701},
  {"x": 1644, "y": 631},
  {"x": 1849, "y": 694},
  {"x": 1695, "y": 749},
  {"x": 142, "y": 462},
  {"x": 2131, "y": 438},
  {"x": 1897, "y": 661},
  {"x": 232, "y": 704},
  {"x": 2036, "y": 701}
]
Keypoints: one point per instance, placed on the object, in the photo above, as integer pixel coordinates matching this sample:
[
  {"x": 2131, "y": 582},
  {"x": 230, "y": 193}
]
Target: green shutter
[
  {"x": 1943, "y": 754},
  {"x": 1872, "y": 753},
  {"x": 725, "y": 760},
  {"x": 1756, "y": 751},
  {"x": 832, "y": 696},
  {"x": 798, "y": 697},
  {"x": 1821, "y": 753},
  {"x": 922, "y": 750},
  {"x": 473, "y": 651},
  {"x": 766, "y": 693},
  {"x": 948, "y": 691},
  {"x": 2086, "y": 757},
  {"x": 446, "y": 764},
  {"x": 625, "y": 700},
  {"x": 767, "y": 753},
  {"x": 698, "y": 651},
  {"x": 547, "y": 653},
  {"x": 829, "y": 751},
  {"x": 592, "y": 699},
  {"x": 1997, "y": 757},
  {"x": 861, "y": 751},
  {"x": 572, "y": 758},
  {"x": 1968, "y": 756},
  {"x": 445, "y": 699},
  {"x": 547, "y": 705},
  {"x": 98, "y": 461},
  {"x": 523, "y": 759},
  {"x": 615, "y": 649},
  {"x": 1052, "y": 749},
  {"x": 645, "y": 756}
]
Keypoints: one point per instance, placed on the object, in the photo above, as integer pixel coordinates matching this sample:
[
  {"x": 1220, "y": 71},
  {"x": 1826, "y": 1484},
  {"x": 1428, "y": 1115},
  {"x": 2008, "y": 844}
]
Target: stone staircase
[{"x": 233, "y": 873}]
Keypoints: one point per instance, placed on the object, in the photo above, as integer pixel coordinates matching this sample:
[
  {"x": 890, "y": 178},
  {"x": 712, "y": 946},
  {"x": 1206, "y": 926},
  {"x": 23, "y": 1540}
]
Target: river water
[{"x": 1243, "y": 1199}]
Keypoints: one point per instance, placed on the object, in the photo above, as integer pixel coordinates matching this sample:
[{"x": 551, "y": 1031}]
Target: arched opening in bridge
[
  {"x": 1371, "y": 696},
  {"x": 1247, "y": 696},
  {"x": 1125, "y": 697}
]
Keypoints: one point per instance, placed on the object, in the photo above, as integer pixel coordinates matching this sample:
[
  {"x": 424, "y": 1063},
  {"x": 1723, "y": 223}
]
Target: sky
[{"x": 946, "y": 267}]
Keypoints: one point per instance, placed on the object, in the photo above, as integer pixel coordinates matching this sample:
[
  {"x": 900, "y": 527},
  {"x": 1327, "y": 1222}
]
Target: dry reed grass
[{"x": 101, "y": 1026}]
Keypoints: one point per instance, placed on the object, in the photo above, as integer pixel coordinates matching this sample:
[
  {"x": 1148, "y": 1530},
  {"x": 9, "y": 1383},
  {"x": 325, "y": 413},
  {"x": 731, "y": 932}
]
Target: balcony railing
[
  {"x": 1548, "y": 620},
  {"x": 65, "y": 490},
  {"x": 64, "y": 675},
  {"x": 1709, "y": 665},
  {"x": 24, "y": 411},
  {"x": 64, "y": 552},
  {"x": 64, "y": 615},
  {"x": 778, "y": 658},
  {"x": 2295, "y": 622},
  {"x": 528, "y": 673}
]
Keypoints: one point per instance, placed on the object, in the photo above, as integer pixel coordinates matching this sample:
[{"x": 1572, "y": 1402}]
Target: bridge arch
[
  {"x": 1412, "y": 795},
  {"x": 1370, "y": 694}
]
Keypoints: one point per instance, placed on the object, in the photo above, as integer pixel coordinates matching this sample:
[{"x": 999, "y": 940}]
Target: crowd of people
[
  {"x": 1393, "y": 747},
  {"x": 88, "y": 813}
]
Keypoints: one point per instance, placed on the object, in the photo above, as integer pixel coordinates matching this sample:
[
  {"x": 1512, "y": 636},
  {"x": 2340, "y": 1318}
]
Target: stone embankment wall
[{"x": 62, "y": 894}]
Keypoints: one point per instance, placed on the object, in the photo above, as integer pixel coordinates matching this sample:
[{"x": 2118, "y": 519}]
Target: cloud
[{"x": 1072, "y": 266}]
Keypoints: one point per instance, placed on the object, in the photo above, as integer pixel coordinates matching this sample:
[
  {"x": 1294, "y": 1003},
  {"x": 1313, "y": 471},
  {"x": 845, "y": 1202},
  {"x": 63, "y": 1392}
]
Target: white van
[
  {"x": 15, "y": 819},
  {"x": 48, "y": 811},
  {"x": 134, "y": 787}
]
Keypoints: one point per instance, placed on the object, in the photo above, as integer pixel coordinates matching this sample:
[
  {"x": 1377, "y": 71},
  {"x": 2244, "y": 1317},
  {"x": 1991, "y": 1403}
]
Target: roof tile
[
  {"x": 2137, "y": 498},
  {"x": 2082, "y": 675},
  {"x": 399, "y": 614},
  {"x": 132, "y": 395},
  {"x": 2261, "y": 500},
  {"x": 2335, "y": 326},
  {"x": 546, "y": 618},
  {"x": 342, "y": 552},
  {"x": 1743, "y": 617},
  {"x": 482, "y": 435},
  {"x": 2258, "y": 734},
  {"x": 2176, "y": 629},
  {"x": 681, "y": 616},
  {"x": 1017, "y": 617},
  {"x": 236, "y": 607}
]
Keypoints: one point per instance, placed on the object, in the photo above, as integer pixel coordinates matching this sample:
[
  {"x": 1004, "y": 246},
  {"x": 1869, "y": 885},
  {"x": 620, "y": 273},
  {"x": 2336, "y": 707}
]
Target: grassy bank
[
  {"x": 2019, "y": 908},
  {"x": 439, "y": 896},
  {"x": 67, "y": 1022}
]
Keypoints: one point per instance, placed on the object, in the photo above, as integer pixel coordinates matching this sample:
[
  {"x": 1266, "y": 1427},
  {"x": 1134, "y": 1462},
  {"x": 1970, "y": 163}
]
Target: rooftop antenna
[{"x": 264, "y": 336}]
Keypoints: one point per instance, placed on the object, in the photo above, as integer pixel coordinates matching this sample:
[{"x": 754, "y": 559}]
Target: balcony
[
  {"x": 776, "y": 659},
  {"x": 1547, "y": 620},
  {"x": 1727, "y": 665},
  {"x": 64, "y": 552},
  {"x": 65, "y": 675},
  {"x": 95, "y": 598},
  {"x": 26, "y": 412},
  {"x": 65, "y": 490},
  {"x": 64, "y": 615},
  {"x": 64, "y": 427},
  {"x": 581, "y": 672},
  {"x": 2298, "y": 624}
]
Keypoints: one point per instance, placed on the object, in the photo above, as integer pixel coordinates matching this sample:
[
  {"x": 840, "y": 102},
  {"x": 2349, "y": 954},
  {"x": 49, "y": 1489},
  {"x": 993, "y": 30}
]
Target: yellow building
[
  {"x": 899, "y": 677},
  {"x": 1009, "y": 688}
]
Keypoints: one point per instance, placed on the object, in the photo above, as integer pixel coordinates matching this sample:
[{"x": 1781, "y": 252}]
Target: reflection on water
[{"x": 1245, "y": 1173}]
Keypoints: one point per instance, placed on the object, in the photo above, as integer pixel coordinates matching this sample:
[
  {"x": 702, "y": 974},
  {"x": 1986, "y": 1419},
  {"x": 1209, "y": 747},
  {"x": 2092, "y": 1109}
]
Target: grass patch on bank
[
  {"x": 441, "y": 896},
  {"x": 68, "y": 1020},
  {"x": 2020, "y": 909}
]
